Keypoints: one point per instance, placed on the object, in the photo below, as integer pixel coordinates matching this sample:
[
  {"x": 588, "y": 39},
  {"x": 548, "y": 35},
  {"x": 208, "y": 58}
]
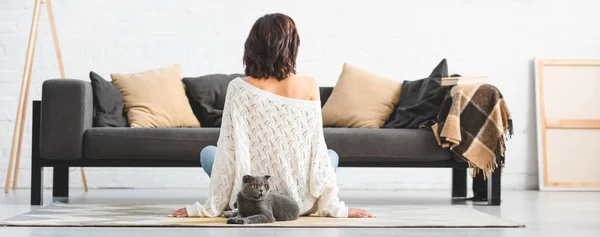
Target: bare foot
[
  {"x": 359, "y": 213},
  {"x": 182, "y": 212}
]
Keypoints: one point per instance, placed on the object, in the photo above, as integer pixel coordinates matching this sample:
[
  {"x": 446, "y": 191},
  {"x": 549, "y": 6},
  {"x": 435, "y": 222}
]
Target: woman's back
[
  {"x": 295, "y": 87},
  {"x": 272, "y": 128},
  {"x": 264, "y": 133}
]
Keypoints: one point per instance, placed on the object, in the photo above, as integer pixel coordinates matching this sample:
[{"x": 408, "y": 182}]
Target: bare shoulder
[
  {"x": 308, "y": 85},
  {"x": 305, "y": 80}
]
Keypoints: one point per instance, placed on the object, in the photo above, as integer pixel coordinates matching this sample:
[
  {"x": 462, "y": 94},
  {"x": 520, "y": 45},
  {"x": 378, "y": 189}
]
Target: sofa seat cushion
[
  {"x": 364, "y": 145},
  {"x": 354, "y": 145},
  {"x": 148, "y": 143}
]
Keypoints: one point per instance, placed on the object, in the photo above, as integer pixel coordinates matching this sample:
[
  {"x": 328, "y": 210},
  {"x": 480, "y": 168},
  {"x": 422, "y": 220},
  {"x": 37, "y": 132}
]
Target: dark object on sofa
[
  {"x": 63, "y": 137},
  {"x": 207, "y": 96},
  {"x": 420, "y": 100},
  {"x": 109, "y": 108}
]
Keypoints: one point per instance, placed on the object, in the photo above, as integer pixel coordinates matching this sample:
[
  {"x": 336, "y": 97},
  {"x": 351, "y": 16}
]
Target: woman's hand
[
  {"x": 359, "y": 213},
  {"x": 182, "y": 212}
]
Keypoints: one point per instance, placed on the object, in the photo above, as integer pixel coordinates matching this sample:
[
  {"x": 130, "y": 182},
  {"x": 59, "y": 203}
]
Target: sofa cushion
[
  {"x": 355, "y": 145},
  {"x": 156, "y": 98},
  {"x": 360, "y": 99},
  {"x": 207, "y": 96},
  {"x": 148, "y": 143},
  {"x": 325, "y": 92},
  {"x": 420, "y": 100},
  {"x": 358, "y": 145},
  {"x": 109, "y": 108}
]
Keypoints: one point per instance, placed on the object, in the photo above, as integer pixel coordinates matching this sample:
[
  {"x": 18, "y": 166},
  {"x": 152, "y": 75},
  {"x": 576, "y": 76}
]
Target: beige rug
[{"x": 93, "y": 215}]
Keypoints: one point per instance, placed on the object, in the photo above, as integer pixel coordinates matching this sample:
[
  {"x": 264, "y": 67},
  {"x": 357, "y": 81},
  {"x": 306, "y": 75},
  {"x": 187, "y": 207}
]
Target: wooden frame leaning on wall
[{"x": 555, "y": 174}]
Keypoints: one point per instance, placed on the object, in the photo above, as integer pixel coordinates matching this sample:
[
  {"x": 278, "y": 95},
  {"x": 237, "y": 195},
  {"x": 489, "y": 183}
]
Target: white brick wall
[{"x": 399, "y": 39}]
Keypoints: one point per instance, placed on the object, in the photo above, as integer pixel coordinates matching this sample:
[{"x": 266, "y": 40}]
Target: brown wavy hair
[{"x": 271, "y": 47}]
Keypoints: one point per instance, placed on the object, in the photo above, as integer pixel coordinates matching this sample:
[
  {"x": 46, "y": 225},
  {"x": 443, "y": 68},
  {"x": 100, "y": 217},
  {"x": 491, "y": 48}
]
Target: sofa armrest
[{"x": 67, "y": 112}]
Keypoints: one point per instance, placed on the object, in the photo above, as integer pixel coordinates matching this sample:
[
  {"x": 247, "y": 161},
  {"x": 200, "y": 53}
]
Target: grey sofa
[{"x": 63, "y": 137}]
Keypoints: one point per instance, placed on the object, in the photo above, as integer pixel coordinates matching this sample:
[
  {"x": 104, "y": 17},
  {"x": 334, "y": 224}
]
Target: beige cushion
[
  {"x": 360, "y": 99},
  {"x": 156, "y": 98}
]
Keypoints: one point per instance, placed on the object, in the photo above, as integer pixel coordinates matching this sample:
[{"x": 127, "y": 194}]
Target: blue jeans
[{"x": 207, "y": 158}]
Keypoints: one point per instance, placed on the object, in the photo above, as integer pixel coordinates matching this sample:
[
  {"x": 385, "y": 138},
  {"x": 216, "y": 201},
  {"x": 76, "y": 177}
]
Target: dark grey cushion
[
  {"x": 207, "y": 96},
  {"x": 384, "y": 145},
  {"x": 352, "y": 144},
  {"x": 325, "y": 92},
  {"x": 67, "y": 111},
  {"x": 420, "y": 100},
  {"x": 148, "y": 143},
  {"x": 109, "y": 107}
]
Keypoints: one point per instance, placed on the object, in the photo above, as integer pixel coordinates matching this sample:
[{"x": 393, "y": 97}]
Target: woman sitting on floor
[{"x": 272, "y": 125}]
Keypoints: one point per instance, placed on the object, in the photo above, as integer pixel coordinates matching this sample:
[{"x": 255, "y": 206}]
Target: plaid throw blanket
[{"x": 473, "y": 122}]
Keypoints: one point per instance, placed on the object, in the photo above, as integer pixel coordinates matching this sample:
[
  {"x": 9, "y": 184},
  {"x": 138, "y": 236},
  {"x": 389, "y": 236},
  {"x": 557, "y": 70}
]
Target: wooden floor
[{"x": 545, "y": 214}]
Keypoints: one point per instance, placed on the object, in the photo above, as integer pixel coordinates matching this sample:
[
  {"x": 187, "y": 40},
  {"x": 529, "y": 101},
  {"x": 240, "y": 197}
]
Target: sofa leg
[
  {"x": 60, "y": 187},
  {"x": 37, "y": 170},
  {"x": 37, "y": 184},
  {"x": 459, "y": 182},
  {"x": 494, "y": 187}
]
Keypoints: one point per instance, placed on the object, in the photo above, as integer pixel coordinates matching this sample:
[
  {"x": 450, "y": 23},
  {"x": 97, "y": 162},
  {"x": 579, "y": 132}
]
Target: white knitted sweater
[{"x": 266, "y": 134}]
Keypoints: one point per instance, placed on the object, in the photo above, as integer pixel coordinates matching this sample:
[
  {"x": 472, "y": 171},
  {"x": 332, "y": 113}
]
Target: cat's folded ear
[
  {"x": 267, "y": 177},
  {"x": 247, "y": 178}
]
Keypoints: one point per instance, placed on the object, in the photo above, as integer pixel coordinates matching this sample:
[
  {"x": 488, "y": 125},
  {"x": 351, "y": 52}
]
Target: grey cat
[{"x": 256, "y": 204}]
